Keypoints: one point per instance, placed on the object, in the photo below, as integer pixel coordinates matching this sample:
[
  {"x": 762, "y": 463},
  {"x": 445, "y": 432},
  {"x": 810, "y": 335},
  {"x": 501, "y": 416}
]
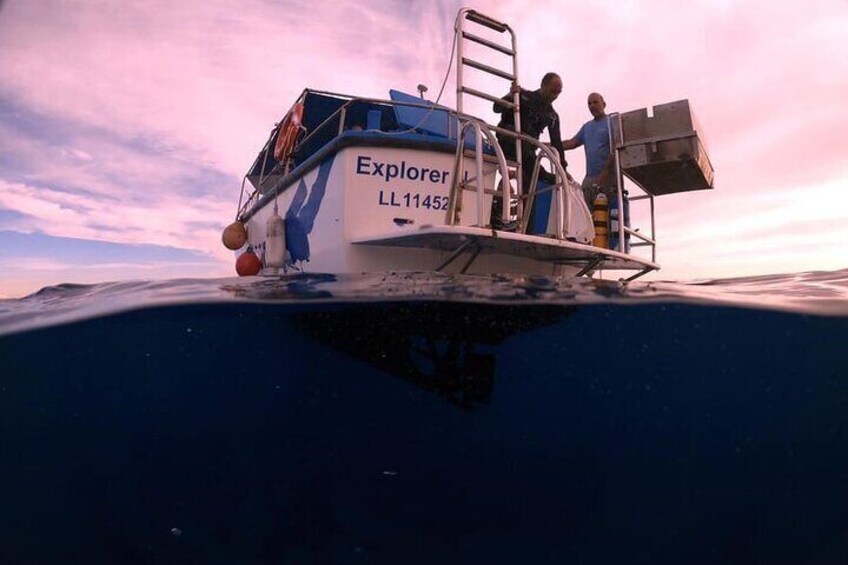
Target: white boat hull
[{"x": 371, "y": 209}]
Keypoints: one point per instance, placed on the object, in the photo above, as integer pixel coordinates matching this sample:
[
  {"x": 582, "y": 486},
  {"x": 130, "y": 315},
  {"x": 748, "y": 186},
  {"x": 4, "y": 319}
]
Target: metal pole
[
  {"x": 653, "y": 233},
  {"x": 458, "y": 40},
  {"x": 478, "y": 139},
  {"x": 618, "y": 177},
  {"x": 516, "y": 99},
  {"x": 456, "y": 183},
  {"x": 562, "y": 206},
  {"x": 487, "y": 131}
]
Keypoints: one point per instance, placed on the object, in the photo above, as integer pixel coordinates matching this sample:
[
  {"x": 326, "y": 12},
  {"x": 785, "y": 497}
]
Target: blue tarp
[{"x": 436, "y": 120}]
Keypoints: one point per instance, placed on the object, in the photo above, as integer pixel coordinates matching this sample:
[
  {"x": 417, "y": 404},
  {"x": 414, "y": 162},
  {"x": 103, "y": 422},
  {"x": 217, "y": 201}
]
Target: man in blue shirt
[{"x": 594, "y": 137}]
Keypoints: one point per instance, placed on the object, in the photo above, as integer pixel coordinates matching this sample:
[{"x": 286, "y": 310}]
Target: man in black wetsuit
[{"x": 537, "y": 114}]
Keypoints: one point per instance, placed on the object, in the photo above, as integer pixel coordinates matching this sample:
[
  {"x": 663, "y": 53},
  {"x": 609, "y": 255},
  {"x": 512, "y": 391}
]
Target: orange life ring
[{"x": 288, "y": 131}]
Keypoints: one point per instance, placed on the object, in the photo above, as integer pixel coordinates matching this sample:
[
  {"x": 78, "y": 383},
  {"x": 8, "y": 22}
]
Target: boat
[{"x": 347, "y": 184}]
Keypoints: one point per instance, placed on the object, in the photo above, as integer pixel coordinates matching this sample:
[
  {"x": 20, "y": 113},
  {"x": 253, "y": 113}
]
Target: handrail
[
  {"x": 640, "y": 235},
  {"x": 484, "y": 20},
  {"x": 481, "y": 129},
  {"x": 484, "y": 129},
  {"x": 562, "y": 203}
]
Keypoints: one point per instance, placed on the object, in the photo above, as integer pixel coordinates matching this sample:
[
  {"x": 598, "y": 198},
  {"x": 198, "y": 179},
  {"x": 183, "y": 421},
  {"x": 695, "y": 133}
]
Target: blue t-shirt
[{"x": 594, "y": 135}]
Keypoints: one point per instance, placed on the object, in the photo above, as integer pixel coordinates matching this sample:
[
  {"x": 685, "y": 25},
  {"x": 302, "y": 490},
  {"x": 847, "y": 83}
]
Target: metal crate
[{"x": 664, "y": 153}]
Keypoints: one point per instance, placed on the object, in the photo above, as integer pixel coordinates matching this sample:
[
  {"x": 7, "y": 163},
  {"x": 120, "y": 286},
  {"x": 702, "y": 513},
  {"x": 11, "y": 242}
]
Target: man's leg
[
  {"x": 590, "y": 191},
  {"x": 611, "y": 190},
  {"x": 508, "y": 147},
  {"x": 529, "y": 161}
]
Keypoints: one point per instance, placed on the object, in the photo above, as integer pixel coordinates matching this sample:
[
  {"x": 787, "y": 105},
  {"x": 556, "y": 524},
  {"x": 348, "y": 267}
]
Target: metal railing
[
  {"x": 281, "y": 169},
  {"x": 623, "y": 229},
  {"x": 525, "y": 201}
]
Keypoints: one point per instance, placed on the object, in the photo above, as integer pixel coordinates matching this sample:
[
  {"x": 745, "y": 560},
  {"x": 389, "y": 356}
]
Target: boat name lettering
[{"x": 365, "y": 165}]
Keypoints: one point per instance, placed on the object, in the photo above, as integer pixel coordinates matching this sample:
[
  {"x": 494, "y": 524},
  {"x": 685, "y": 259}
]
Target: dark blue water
[{"x": 413, "y": 419}]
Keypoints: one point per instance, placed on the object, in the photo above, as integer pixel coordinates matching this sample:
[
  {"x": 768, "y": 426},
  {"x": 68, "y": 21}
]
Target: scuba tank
[
  {"x": 614, "y": 227},
  {"x": 600, "y": 217}
]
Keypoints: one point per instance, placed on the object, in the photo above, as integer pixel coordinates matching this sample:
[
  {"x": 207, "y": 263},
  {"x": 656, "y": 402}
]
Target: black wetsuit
[{"x": 536, "y": 116}]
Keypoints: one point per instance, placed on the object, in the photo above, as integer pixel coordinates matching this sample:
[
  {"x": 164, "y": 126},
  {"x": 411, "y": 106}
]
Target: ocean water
[{"x": 424, "y": 418}]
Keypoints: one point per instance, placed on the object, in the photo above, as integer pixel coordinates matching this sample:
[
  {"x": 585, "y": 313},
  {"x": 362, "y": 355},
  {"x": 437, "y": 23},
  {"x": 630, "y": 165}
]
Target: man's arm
[
  {"x": 575, "y": 141},
  {"x": 556, "y": 140},
  {"x": 572, "y": 143},
  {"x": 501, "y": 108}
]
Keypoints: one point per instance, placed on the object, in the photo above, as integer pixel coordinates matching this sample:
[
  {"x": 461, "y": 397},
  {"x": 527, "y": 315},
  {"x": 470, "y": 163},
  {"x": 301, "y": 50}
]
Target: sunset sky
[{"x": 126, "y": 126}]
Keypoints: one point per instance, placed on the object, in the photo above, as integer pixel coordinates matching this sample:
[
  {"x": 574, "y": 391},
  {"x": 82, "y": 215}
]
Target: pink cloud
[{"x": 211, "y": 76}]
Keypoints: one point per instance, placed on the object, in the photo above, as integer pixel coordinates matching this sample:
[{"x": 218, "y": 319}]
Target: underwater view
[{"x": 425, "y": 418}]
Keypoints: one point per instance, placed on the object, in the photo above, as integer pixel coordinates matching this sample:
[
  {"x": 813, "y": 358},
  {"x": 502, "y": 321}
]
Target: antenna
[{"x": 421, "y": 90}]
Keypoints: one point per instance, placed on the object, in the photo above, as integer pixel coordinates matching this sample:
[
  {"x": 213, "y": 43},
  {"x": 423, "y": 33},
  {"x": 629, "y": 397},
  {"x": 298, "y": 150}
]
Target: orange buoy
[
  {"x": 248, "y": 264},
  {"x": 234, "y": 236},
  {"x": 288, "y": 132}
]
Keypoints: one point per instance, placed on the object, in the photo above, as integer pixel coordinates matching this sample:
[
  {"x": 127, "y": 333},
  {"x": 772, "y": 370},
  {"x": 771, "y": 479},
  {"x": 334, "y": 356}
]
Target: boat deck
[{"x": 458, "y": 239}]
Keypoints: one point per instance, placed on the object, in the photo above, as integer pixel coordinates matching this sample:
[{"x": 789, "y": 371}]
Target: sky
[{"x": 126, "y": 127}]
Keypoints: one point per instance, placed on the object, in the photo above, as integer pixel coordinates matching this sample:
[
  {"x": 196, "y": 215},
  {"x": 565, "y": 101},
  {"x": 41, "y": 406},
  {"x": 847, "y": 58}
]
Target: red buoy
[{"x": 248, "y": 264}]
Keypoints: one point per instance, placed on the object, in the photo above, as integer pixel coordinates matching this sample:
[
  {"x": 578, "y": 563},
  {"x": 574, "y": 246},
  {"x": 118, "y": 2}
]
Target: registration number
[{"x": 412, "y": 200}]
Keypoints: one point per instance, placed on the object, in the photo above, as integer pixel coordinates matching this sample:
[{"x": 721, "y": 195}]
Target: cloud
[
  {"x": 781, "y": 231},
  {"x": 31, "y": 261},
  {"x": 173, "y": 220},
  {"x": 211, "y": 76},
  {"x": 64, "y": 252}
]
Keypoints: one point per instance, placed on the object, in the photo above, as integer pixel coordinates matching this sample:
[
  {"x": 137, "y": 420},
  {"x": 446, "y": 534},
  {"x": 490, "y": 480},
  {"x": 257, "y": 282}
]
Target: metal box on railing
[{"x": 664, "y": 153}]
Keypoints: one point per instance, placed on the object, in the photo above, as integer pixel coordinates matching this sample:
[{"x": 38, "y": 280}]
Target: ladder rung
[
  {"x": 487, "y": 69},
  {"x": 479, "y": 18},
  {"x": 488, "y": 97},
  {"x": 487, "y": 43}
]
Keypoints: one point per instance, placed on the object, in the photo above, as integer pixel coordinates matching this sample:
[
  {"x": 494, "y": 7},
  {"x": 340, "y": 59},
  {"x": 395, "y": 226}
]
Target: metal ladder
[{"x": 463, "y": 18}]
